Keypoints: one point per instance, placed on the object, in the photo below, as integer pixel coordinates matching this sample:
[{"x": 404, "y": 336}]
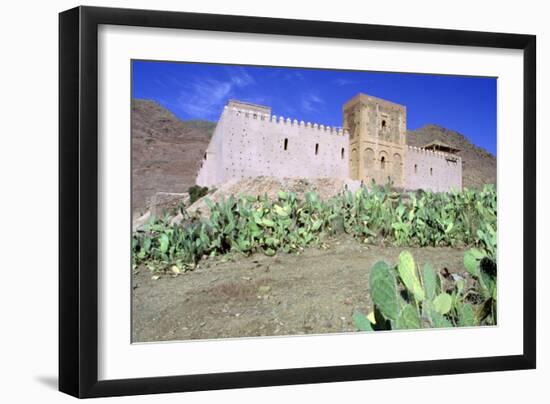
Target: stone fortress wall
[
  {"x": 249, "y": 141},
  {"x": 432, "y": 170}
]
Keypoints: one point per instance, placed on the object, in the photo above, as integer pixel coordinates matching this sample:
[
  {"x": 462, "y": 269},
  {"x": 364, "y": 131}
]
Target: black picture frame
[{"x": 78, "y": 201}]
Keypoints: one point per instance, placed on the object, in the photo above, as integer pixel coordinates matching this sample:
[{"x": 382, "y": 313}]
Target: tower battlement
[{"x": 254, "y": 114}]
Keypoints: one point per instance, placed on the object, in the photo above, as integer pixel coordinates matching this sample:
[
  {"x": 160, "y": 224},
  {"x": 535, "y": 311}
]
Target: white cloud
[
  {"x": 204, "y": 97},
  {"x": 312, "y": 103},
  {"x": 240, "y": 77}
]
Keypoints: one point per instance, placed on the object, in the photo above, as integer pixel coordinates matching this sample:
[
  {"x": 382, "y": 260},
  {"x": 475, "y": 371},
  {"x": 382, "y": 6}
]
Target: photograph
[{"x": 272, "y": 201}]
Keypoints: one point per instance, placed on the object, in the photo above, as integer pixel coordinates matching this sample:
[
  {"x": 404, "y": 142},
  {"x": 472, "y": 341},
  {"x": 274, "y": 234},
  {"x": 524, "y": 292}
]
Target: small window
[
  {"x": 383, "y": 163},
  {"x": 431, "y": 171},
  {"x": 205, "y": 156},
  {"x": 316, "y": 148},
  {"x": 416, "y": 168},
  {"x": 285, "y": 145},
  {"x": 342, "y": 153},
  {"x": 383, "y": 123}
]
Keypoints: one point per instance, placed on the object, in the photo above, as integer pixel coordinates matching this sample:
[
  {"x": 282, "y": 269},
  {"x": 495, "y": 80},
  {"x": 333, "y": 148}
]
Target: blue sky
[{"x": 199, "y": 91}]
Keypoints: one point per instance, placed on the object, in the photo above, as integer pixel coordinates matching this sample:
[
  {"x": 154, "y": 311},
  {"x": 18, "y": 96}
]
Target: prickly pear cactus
[
  {"x": 472, "y": 258},
  {"x": 430, "y": 282},
  {"x": 383, "y": 289},
  {"x": 443, "y": 303},
  {"x": 361, "y": 321},
  {"x": 466, "y": 315},
  {"x": 408, "y": 318},
  {"x": 407, "y": 272}
]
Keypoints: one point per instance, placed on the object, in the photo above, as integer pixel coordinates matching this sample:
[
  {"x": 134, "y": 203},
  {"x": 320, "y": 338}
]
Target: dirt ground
[{"x": 315, "y": 292}]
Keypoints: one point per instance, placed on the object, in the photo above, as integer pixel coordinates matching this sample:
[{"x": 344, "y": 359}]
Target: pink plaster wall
[
  {"x": 445, "y": 173},
  {"x": 247, "y": 143}
]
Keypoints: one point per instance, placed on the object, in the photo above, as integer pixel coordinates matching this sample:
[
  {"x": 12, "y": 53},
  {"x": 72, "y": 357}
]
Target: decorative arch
[
  {"x": 354, "y": 163},
  {"x": 396, "y": 165},
  {"x": 384, "y": 160},
  {"x": 368, "y": 160},
  {"x": 353, "y": 156}
]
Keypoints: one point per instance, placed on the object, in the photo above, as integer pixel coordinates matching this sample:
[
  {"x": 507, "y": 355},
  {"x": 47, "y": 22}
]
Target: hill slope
[
  {"x": 478, "y": 166},
  {"x": 166, "y": 151}
]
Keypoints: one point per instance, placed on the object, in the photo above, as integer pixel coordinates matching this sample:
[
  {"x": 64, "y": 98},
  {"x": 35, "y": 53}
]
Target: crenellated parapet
[
  {"x": 286, "y": 122},
  {"x": 432, "y": 153}
]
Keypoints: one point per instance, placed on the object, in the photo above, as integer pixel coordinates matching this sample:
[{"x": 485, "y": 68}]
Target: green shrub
[{"x": 196, "y": 192}]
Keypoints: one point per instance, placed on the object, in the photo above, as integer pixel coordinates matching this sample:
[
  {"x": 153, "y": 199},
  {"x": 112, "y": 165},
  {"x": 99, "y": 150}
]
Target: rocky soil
[{"x": 315, "y": 292}]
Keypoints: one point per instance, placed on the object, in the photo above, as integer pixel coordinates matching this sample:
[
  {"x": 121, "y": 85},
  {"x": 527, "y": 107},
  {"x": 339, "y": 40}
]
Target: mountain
[
  {"x": 166, "y": 151},
  {"x": 479, "y": 167}
]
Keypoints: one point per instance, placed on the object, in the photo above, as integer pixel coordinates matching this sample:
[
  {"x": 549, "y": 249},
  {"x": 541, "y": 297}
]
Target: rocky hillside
[
  {"x": 478, "y": 166},
  {"x": 166, "y": 151}
]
